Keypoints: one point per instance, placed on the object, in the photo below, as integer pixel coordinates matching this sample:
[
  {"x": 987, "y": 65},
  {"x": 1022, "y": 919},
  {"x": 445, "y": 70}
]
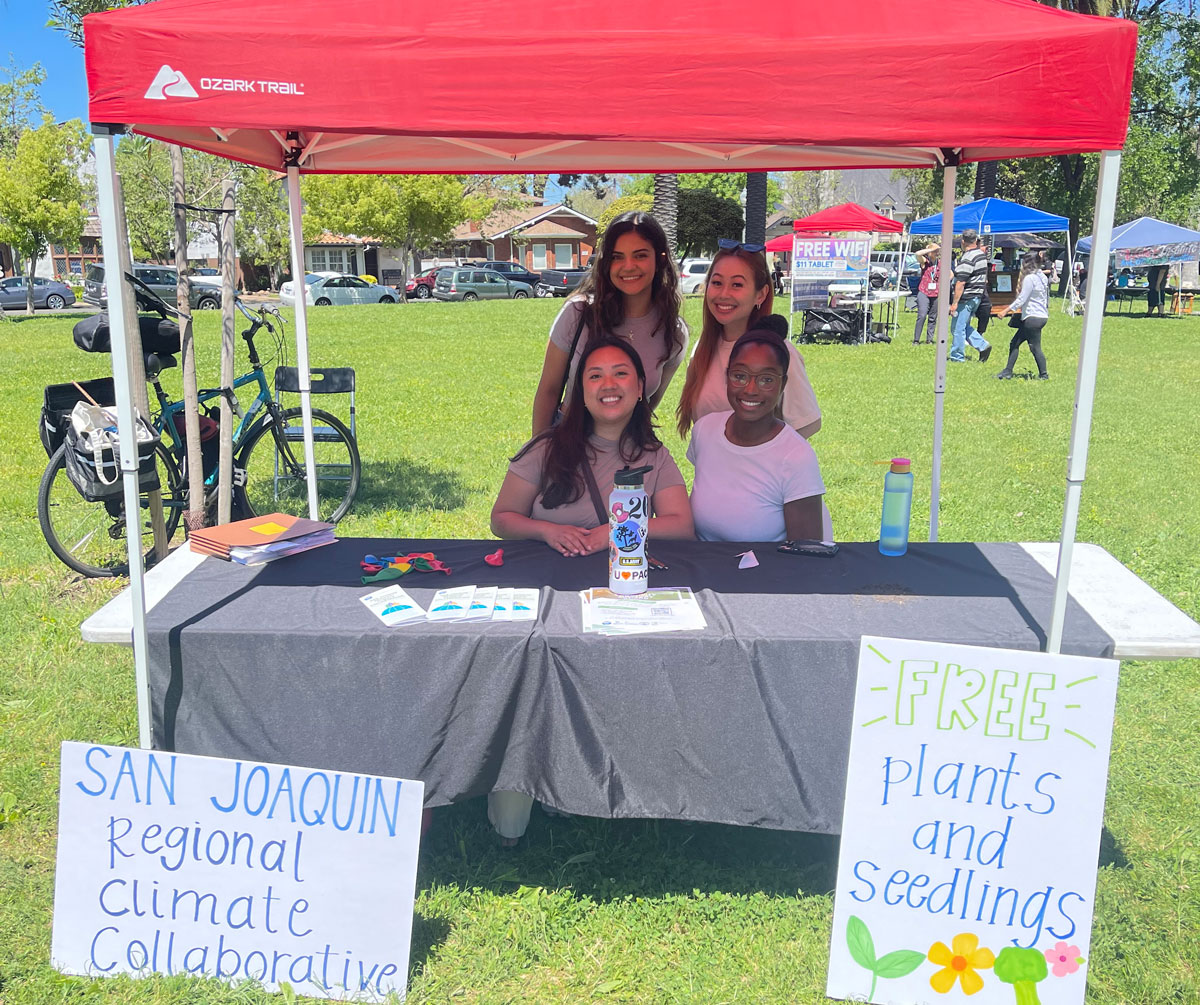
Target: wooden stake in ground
[
  {"x": 194, "y": 517},
  {"x": 225, "y": 480}
]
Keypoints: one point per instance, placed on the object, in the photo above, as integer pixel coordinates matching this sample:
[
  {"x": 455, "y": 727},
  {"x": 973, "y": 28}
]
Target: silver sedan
[{"x": 344, "y": 289}]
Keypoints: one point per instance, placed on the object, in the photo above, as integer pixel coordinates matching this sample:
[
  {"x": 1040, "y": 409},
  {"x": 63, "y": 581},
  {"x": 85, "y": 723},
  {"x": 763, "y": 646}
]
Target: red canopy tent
[
  {"x": 679, "y": 85},
  {"x": 847, "y": 216}
]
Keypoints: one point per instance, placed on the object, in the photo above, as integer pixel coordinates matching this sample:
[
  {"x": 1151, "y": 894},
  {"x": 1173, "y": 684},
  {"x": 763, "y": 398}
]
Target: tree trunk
[
  {"x": 985, "y": 179},
  {"x": 756, "y": 207},
  {"x": 666, "y": 206}
]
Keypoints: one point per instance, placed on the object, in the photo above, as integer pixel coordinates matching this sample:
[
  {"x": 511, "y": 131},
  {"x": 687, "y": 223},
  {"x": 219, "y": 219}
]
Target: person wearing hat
[{"x": 927, "y": 293}]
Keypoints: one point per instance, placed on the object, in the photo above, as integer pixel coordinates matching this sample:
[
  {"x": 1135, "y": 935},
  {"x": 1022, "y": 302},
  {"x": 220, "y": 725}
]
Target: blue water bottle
[{"x": 897, "y": 507}]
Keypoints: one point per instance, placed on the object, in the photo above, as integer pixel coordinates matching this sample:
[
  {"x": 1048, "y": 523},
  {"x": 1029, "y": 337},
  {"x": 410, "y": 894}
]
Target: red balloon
[{"x": 495, "y": 558}]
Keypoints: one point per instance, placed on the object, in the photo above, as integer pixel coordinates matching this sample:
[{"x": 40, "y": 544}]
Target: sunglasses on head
[{"x": 726, "y": 244}]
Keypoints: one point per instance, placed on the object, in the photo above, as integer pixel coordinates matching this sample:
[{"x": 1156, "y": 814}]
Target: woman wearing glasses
[
  {"x": 757, "y": 478},
  {"x": 631, "y": 293},
  {"x": 737, "y": 293}
]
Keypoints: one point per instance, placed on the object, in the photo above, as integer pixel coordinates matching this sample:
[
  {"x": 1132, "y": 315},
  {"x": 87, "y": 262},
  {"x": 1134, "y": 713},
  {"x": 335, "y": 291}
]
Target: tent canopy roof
[
  {"x": 994, "y": 216},
  {"x": 683, "y": 85},
  {"x": 1145, "y": 232},
  {"x": 847, "y": 216}
]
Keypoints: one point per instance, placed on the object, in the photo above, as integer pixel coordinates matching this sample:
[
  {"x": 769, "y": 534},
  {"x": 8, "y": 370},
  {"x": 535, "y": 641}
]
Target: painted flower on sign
[
  {"x": 1063, "y": 959},
  {"x": 959, "y": 962}
]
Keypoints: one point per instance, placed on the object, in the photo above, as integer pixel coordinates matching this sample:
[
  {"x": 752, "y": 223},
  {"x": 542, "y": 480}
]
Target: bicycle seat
[{"x": 156, "y": 362}]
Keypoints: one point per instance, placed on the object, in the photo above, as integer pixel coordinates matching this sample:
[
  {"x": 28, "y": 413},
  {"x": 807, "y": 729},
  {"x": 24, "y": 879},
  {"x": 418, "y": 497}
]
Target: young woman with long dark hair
[
  {"x": 632, "y": 293},
  {"x": 546, "y": 497},
  {"x": 1033, "y": 301},
  {"x": 737, "y": 293}
]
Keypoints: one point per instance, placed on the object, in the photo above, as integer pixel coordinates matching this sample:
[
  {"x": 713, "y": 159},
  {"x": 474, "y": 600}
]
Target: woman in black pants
[
  {"x": 1033, "y": 301},
  {"x": 927, "y": 292}
]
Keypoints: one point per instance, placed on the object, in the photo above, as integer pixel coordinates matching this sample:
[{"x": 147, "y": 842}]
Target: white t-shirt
[
  {"x": 800, "y": 406},
  {"x": 645, "y": 333},
  {"x": 738, "y": 492}
]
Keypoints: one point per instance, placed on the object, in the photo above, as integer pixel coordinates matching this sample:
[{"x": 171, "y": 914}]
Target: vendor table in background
[{"x": 745, "y": 722}]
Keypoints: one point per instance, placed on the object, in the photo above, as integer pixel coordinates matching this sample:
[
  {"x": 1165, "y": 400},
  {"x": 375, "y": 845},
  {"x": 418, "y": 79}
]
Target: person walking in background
[
  {"x": 1033, "y": 302},
  {"x": 1156, "y": 295},
  {"x": 970, "y": 289},
  {"x": 927, "y": 292}
]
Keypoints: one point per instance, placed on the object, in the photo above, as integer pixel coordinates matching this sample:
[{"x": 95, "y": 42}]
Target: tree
[
  {"x": 625, "y": 204},
  {"x": 67, "y": 15},
  {"x": 666, "y": 206},
  {"x": 401, "y": 211},
  {"x": 20, "y": 103},
  {"x": 806, "y": 192},
  {"x": 704, "y": 218},
  {"x": 261, "y": 230},
  {"x": 756, "y": 207},
  {"x": 145, "y": 169},
  {"x": 41, "y": 195}
]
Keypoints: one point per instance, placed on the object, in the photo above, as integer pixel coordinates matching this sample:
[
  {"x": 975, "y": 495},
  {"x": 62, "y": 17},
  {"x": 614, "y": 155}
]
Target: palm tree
[
  {"x": 756, "y": 207},
  {"x": 666, "y": 206}
]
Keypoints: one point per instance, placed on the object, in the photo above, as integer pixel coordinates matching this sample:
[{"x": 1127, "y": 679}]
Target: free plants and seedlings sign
[
  {"x": 971, "y": 830},
  {"x": 176, "y": 864}
]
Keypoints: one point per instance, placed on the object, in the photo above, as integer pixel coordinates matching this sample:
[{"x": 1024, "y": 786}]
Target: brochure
[
  {"x": 662, "y": 610},
  {"x": 393, "y": 606},
  {"x": 482, "y": 604},
  {"x": 450, "y": 604},
  {"x": 524, "y": 605},
  {"x": 502, "y": 611}
]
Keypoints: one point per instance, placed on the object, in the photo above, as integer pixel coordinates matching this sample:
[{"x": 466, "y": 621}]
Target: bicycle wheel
[
  {"x": 274, "y": 463},
  {"x": 89, "y": 537}
]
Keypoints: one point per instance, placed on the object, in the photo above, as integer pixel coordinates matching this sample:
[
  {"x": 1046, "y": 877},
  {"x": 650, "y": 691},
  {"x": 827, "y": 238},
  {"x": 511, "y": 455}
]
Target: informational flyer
[
  {"x": 818, "y": 261},
  {"x": 971, "y": 831},
  {"x": 239, "y": 870}
]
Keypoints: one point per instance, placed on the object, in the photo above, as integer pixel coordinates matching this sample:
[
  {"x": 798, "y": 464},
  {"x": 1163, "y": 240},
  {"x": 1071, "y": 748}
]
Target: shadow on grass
[
  {"x": 405, "y": 484},
  {"x": 1111, "y": 853},
  {"x": 608, "y": 860}
]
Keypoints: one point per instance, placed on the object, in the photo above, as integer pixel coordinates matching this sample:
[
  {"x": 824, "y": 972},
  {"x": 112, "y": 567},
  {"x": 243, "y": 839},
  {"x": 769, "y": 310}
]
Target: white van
[{"x": 691, "y": 274}]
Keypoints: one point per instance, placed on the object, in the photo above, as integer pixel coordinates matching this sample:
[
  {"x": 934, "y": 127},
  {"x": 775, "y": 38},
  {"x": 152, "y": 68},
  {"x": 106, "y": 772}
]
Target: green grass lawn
[{"x": 651, "y": 911}]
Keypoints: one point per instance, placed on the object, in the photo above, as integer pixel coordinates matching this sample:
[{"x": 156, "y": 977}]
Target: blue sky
[{"x": 25, "y": 38}]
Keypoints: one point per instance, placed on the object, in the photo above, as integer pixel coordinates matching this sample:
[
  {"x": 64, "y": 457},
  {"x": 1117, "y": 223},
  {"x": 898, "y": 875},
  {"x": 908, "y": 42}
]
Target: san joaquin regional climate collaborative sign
[
  {"x": 176, "y": 864},
  {"x": 971, "y": 831}
]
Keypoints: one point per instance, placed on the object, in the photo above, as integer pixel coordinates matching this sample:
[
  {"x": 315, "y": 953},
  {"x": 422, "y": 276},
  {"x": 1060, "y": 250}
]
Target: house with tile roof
[{"x": 539, "y": 237}]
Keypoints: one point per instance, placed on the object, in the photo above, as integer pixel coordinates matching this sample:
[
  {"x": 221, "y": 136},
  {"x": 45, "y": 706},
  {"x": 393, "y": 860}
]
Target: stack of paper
[
  {"x": 666, "y": 610},
  {"x": 457, "y": 603},
  {"x": 261, "y": 538}
]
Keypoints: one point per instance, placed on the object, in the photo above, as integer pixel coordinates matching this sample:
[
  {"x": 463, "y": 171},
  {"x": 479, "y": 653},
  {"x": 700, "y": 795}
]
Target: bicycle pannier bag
[
  {"x": 57, "y": 402},
  {"x": 158, "y": 334},
  {"x": 93, "y": 454}
]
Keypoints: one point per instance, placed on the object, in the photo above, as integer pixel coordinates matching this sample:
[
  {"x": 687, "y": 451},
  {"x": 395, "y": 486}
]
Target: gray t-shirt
[
  {"x": 606, "y": 462},
  {"x": 645, "y": 333}
]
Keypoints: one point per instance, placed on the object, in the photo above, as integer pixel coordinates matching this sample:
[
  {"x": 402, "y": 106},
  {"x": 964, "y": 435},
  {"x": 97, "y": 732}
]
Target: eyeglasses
[
  {"x": 726, "y": 244},
  {"x": 764, "y": 381}
]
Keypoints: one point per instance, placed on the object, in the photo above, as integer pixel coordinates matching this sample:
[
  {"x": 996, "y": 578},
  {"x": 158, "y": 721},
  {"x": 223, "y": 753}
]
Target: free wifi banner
[{"x": 971, "y": 831}]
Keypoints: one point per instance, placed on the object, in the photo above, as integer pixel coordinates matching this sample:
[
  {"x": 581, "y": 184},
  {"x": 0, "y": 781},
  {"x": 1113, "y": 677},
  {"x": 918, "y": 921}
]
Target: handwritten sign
[
  {"x": 971, "y": 831},
  {"x": 176, "y": 864}
]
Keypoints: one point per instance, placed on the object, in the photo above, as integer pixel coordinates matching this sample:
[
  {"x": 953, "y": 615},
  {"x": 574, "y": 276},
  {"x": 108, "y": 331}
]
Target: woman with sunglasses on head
[
  {"x": 632, "y": 293},
  {"x": 557, "y": 484},
  {"x": 737, "y": 292},
  {"x": 757, "y": 479}
]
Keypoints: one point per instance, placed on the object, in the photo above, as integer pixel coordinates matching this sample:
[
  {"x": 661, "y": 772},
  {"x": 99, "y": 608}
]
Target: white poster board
[
  {"x": 974, "y": 802},
  {"x": 176, "y": 864}
]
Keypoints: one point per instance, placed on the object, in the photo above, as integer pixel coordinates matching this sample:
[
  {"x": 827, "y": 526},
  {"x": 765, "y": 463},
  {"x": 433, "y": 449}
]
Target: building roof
[
  {"x": 504, "y": 221},
  {"x": 550, "y": 229}
]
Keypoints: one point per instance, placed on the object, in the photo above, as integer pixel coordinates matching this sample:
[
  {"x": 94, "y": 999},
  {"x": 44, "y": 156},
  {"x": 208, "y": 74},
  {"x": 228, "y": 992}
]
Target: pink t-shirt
[{"x": 606, "y": 461}]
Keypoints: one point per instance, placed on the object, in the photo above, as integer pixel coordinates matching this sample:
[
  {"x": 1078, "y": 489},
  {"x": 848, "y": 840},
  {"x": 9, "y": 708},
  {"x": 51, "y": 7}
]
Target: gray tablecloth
[{"x": 746, "y": 722}]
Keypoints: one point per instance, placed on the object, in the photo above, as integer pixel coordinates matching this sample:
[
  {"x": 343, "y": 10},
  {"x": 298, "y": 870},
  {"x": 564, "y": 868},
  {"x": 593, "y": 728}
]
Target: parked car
[
  {"x": 46, "y": 293},
  {"x": 205, "y": 293},
  {"x": 477, "y": 284},
  {"x": 421, "y": 285},
  {"x": 511, "y": 270},
  {"x": 323, "y": 290},
  {"x": 884, "y": 265},
  {"x": 560, "y": 282},
  {"x": 691, "y": 274},
  {"x": 204, "y": 270}
]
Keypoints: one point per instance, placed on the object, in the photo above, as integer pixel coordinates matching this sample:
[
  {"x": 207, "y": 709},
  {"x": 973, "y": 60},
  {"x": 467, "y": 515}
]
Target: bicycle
[{"x": 269, "y": 468}]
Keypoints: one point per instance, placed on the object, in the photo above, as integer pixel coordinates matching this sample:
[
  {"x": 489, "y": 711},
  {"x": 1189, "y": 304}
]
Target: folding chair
[{"x": 324, "y": 380}]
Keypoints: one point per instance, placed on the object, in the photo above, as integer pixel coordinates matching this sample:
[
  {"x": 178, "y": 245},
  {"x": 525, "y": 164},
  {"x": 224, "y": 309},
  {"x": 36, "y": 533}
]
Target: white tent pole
[
  {"x": 945, "y": 278},
  {"x": 301, "y": 288},
  {"x": 1070, "y": 298},
  {"x": 1085, "y": 384},
  {"x": 118, "y": 293}
]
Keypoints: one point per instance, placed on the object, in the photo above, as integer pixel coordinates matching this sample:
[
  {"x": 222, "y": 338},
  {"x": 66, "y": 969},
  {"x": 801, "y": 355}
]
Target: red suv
[{"x": 421, "y": 285}]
